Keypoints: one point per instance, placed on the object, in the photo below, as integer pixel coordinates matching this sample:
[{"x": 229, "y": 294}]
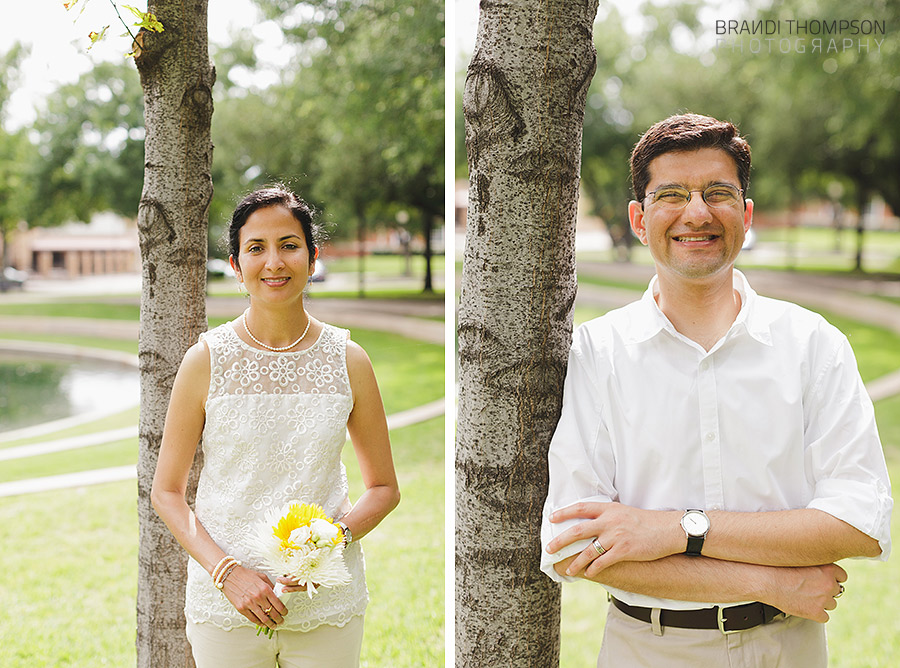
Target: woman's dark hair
[
  {"x": 687, "y": 132},
  {"x": 274, "y": 195}
]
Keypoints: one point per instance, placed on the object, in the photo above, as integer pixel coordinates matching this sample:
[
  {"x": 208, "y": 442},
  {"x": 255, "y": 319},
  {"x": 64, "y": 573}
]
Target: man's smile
[{"x": 695, "y": 237}]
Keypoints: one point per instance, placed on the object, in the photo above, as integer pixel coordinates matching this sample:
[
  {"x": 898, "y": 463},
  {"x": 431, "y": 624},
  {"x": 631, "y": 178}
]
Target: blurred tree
[
  {"x": 524, "y": 105},
  {"x": 15, "y": 150},
  {"x": 177, "y": 79},
  {"x": 608, "y": 134},
  {"x": 90, "y": 152},
  {"x": 852, "y": 98},
  {"x": 370, "y": 91},
  {"x": 813, "y": 118}
]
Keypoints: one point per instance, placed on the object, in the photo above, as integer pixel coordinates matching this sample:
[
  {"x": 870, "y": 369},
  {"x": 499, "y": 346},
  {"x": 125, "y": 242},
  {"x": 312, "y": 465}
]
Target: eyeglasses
[{"x": 717, "y": 196}]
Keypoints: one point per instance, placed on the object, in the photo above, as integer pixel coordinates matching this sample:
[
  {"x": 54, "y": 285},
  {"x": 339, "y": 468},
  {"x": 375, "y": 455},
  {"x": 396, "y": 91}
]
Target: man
[{"x": 716, "y": 451}]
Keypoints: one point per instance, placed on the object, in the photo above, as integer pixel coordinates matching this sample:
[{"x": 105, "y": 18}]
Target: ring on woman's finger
[
  {"x": 267, "y": 610},
  {"x": 597, "y": 546},
  {"x": 841, "y": 592}
]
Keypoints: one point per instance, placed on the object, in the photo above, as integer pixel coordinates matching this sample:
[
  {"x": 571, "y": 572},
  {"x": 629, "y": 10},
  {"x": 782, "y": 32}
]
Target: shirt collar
[{"x": 648, "y": 320}]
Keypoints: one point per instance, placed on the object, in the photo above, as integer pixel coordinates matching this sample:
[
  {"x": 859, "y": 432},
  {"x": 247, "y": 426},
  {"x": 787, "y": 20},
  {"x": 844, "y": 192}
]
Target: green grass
[
  {"x": 123, "y": 419},
  {"x": 814, "y": 249},
  {"x": 405, "y": 556},
  {"x": 887, "y": 417},
  {"x": 585, "y": 313},
  {"x": 68, "y": 582},
  {"x": 122, "y": 345},
  {"x": 384, "y": 293},
  {"x": 409, "y": 372},
  {"x": 68, "y": 603},
  {"x": 386, "y": 265},
  {"x": 69, "y": 309},
  {"x": 822, "y": 239},
  {"x": 877, "y": 349},
  {"x": 117, "y": 453},
  {"x": 584, "y": 276}
]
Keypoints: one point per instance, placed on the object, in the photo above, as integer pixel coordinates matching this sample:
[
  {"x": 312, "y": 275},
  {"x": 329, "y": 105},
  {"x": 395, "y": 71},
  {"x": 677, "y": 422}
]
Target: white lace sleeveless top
[{"x": 275, "y": 427}]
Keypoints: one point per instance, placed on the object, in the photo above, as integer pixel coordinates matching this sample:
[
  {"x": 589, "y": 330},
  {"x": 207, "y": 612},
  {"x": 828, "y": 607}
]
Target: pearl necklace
[{"x": 267, "y": 347}]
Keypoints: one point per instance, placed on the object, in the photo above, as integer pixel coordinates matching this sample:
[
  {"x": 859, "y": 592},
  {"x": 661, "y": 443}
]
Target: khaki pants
[
  {"x": 791, "y": 643},
  {"x": 323, "y": 647}
]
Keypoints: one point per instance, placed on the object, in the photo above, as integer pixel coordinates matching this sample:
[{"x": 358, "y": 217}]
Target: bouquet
[{"x": 304, "y": 544}]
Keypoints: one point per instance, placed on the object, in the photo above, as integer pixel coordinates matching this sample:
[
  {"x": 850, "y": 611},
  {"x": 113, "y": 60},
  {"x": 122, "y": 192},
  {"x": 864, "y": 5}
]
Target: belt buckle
[{"x": 721, "y": 621}]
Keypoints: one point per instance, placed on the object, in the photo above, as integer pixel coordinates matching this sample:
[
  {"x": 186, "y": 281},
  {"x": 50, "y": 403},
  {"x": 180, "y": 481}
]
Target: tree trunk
[
  {"x": 862, "y": 200},
  {"x": 177, "y": 79},
  {"x": 361, "y": 250},
  {"x": 524, "y": 109},
  {"x": 427, "y": 229}
]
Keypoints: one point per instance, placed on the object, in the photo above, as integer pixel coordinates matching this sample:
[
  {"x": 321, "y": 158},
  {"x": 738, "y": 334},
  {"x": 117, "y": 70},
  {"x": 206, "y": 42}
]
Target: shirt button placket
[{"x": 713, "y": 488}]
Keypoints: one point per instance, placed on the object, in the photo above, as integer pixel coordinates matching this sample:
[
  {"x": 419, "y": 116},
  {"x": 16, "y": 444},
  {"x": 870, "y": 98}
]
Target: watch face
[{"x": 696, "y": 524}]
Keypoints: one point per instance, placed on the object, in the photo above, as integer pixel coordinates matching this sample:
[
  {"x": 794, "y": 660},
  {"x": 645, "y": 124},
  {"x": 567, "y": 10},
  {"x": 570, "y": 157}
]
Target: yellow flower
[{"x": 300, "y": 515}]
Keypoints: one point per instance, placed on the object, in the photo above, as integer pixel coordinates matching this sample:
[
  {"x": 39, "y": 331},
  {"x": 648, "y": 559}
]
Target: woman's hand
[
  {"x": 251, "y": 593},
  {"x": 289, "y": 585}
]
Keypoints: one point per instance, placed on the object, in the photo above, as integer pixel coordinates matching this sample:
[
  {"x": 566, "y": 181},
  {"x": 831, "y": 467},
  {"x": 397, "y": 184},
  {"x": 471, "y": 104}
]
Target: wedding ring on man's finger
[
  {"x": 597, "y": 546},
  {"x": 267, "y": 610},
  {"x": 841, "y": 592}
]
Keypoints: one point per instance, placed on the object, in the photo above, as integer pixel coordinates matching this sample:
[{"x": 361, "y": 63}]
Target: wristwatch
[
  {"x": 696, "y": 525},
  {"x": 348, "y": 536}
]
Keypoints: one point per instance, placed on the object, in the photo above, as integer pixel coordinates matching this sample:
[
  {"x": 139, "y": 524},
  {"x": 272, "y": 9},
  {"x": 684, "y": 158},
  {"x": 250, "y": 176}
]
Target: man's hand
[
  {"x": 625, "y": 533},
  {"x": 809, "y": 591}
]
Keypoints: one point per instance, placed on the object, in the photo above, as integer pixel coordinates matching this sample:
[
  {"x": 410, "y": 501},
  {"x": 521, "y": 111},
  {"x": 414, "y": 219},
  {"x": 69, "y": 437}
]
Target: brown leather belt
[{"x": 727, "y": 620}]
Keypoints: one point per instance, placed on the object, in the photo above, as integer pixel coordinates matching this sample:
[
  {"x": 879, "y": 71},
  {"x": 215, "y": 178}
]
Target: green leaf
[
  {"x": 96, "y": 36},
  {"x": 147, "y": 20}
]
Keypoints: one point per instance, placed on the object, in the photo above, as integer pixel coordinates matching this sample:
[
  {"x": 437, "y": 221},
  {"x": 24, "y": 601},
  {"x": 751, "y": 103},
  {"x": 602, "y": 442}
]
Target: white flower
[
  {"x": 322, "y": 532},
  {"x": 315, "y": 561},
  {"x": 300, "y": 535}
]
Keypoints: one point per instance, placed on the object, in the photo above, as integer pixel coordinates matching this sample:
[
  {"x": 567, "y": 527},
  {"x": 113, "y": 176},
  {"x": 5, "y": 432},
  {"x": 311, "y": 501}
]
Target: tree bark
[
  {"x": 427, "y": 229},
  {"x": 524, "y": 109},
  {"x": 177, "y": 79},
  {"x": 862, "y": 201}
]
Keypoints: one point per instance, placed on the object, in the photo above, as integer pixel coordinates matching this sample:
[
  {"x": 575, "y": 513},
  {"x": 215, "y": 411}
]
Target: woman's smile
[{"x": 274, "y": 258}]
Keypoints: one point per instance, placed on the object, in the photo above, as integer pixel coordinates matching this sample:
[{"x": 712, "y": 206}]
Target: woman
[{"x": 272, "y": 395}]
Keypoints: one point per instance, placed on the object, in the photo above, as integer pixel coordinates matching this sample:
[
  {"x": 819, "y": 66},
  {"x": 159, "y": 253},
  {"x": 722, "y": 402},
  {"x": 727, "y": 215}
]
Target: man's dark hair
[{"x": 687, "y": 132}]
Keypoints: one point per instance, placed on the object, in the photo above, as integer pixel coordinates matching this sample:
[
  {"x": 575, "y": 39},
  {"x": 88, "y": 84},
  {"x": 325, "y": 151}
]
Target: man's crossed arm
[{"x": 783, "y": 558}]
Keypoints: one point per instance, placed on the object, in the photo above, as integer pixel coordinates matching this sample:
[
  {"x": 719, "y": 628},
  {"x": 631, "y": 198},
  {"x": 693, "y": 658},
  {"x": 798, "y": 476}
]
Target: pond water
[{"x": 35, "y": 390}]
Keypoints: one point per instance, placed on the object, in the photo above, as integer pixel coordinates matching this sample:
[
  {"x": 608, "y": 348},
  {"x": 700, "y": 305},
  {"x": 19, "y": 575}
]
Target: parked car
[
  {"x": 216, "y": 268},
  {"x": 319, "y": 272},
  {"x": 12, "y": 279},
  {"x": 749, "y": 240}
]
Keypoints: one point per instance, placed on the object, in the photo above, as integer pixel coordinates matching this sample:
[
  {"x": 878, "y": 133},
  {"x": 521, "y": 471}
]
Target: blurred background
[
  {"x": 820, "y": 112},
  {"x": 343, "y": 101}
]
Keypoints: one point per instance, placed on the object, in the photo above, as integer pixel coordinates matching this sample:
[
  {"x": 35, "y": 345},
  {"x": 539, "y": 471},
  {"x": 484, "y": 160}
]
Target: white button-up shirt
[{"x": 773, "y": 417}]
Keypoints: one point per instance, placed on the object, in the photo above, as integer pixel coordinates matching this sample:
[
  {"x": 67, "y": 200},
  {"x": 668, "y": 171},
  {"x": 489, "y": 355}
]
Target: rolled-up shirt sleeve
[
  {"x": 581, "y": 461},
  {"x": 844, "y": 452}
]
